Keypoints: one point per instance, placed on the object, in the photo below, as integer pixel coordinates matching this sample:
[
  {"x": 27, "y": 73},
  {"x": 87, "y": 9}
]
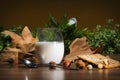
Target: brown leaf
[
  {"x": 77, "y": 47},
  {"x": 26, "y": 35},
  {"x": 28, "y": 39},
  {"x": 16, "y": 39},
  {"x": 25, "y": 43}
]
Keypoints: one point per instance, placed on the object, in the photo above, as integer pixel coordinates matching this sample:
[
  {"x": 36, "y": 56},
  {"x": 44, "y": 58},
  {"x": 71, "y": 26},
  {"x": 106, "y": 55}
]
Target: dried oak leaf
[
  {"x": 24, "y": 43},
  {"x": 77, "y": 47}
]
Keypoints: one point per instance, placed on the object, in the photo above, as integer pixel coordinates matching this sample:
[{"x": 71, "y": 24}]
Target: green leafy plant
[{"x": 107, "y": 37}]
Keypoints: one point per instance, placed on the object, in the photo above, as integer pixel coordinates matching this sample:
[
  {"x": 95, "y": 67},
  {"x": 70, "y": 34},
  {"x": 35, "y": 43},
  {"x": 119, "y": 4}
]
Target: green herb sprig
[{"x": 107, "y": 37}]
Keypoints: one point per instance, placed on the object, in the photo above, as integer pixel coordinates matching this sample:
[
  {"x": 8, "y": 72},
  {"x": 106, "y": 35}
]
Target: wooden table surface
[{"x": 44, "y": 73}]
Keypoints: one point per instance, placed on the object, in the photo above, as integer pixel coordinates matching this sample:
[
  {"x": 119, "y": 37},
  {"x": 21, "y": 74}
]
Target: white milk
[{"x": 49, "y": 51}]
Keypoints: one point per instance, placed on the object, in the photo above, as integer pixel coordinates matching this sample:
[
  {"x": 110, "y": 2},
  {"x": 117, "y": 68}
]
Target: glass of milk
[{"x": 50, "y": 45}]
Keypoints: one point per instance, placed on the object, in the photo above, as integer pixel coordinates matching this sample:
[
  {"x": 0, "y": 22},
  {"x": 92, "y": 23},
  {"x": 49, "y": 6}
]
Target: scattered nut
[
  {"x": 52, "y": 64},
  {"x": 66, "y": 63},
  {"x": 100, "y": 66},
  {"x": 80, "y": 64},
  {"x": 89, "y": 67}
]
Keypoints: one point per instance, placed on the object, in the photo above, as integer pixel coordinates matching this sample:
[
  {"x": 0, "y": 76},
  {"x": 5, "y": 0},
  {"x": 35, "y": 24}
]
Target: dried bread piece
[{"x": 96, "y": 59}]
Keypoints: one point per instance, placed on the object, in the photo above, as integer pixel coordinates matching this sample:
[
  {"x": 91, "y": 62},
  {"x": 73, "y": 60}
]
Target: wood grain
[{"x": 21, "y": 72}]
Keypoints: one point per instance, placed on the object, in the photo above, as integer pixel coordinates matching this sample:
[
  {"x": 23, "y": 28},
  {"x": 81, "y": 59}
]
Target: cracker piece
[{"x": 100, "y": 59}]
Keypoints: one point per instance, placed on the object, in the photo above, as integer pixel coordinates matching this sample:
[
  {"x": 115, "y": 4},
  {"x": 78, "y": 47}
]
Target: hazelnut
[
  {"x": 66, "y": 63},
  {"x": 80, "y": 64},
  {"x": 100, "y": 66},
  {"x": 52, "y": 64},
  {"x": 89, "y": 67}
]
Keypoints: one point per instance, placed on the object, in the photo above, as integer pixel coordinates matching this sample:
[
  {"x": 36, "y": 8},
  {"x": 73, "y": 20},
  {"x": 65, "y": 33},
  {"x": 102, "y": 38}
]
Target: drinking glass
[{"x": 50, "y": 45}]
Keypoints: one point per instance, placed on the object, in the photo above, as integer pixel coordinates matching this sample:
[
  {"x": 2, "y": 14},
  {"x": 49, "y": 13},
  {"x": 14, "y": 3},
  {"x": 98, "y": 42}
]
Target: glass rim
[
  {"x": 51, "y": 32},
  {"x": 49, "y": 28}
]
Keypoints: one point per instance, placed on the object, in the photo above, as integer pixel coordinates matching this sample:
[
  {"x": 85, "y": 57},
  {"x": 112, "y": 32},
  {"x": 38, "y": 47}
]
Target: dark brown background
[{"x": 89, "y": 13}]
